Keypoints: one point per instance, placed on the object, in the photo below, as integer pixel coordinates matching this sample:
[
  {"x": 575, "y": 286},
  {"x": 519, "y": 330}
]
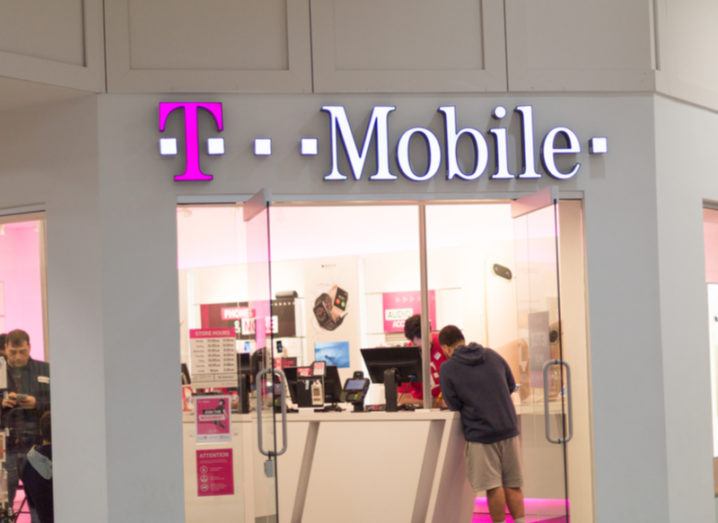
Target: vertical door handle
[
  {"x": 568, "y": 427},
  {"x": 283, "y": 406}
]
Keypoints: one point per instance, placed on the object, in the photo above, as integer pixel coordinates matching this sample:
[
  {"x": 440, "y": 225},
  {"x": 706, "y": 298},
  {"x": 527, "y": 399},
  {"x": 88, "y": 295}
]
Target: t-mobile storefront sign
[{"x": 442, "y": 149}]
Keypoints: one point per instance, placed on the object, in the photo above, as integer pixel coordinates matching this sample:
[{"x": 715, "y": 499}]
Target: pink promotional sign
[
  {"x": 398, "y": 306},
  {"x": 212, "y": 418},
  {"x": 235, "y": 313},
  {"x": 197, "y": 334},
  {"x": 214, "y": 472}
]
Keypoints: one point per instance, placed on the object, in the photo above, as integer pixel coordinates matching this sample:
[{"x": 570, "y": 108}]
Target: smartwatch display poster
[
  {"x": 215, "y": 476},
  {"x": 212, "y": 418},
  {"x": 398, "y": 306},
  {"x": 330, "y": 307},
  {"x": 334, "y": 353},
  {"x": 213, "y": 358}
]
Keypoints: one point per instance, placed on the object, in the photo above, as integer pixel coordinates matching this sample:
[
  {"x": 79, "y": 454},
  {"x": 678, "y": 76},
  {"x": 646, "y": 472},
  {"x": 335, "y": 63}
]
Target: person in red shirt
[{"x": 412, "y": 393}]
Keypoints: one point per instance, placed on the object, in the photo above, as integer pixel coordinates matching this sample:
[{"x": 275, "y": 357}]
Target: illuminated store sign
[{"x": 556, "y": 143}]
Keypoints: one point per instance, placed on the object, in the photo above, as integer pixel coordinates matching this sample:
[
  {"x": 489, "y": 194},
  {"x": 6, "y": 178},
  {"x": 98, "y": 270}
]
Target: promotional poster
[
  {"x": 212, "y": 418},
  {"x": 215, "y": 476}
]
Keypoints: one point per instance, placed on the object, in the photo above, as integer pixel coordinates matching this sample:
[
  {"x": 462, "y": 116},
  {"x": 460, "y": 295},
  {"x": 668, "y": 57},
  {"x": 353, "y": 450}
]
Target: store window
[
  {"x": 710, "y": 231},
  {"x": 25, "y": 440},
  {"x": 340, "y": 279},
  {"x": 362, "y": 261}
]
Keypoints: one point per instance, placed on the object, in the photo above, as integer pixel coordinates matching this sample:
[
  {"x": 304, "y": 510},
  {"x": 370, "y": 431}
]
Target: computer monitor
[
  {"x": 391, "y": 366},
  {"x": 291, "y": 374},
  {"x": 332, "y": 385},
  {"x": 243, "y": 362},
  {"x": 244, "y": 381}
]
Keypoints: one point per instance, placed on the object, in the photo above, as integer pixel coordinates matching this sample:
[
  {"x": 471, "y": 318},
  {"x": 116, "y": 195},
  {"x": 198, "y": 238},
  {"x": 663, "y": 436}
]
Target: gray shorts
[{"x": 492, "y": 465}]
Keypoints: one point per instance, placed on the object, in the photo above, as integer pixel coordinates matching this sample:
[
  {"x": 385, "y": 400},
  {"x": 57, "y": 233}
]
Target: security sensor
[{"x": 503, "y": 272}]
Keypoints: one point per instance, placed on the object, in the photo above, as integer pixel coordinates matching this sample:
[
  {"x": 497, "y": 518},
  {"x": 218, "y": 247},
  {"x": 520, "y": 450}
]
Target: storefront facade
[{"x": 92, "y": 164}]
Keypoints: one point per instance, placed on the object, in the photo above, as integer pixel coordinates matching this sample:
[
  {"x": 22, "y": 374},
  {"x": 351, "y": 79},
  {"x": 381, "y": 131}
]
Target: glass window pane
[
  {"x": 355, "y": 272},
  {"x": 24, "y": 370},
  {"x": 224, "y": 330}
]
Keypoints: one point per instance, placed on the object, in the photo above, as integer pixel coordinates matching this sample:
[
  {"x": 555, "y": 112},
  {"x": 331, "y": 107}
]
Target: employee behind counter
[{"x": 412, "y": 393}]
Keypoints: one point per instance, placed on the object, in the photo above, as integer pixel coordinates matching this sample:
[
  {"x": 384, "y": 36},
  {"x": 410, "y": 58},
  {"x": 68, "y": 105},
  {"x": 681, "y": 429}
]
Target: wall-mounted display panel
[
  {"x": 408, "y": 46},
  {"x": 212, "y": 46},
  {"x": 57, "y": 43},
  {"x": 552, "y": 46}
]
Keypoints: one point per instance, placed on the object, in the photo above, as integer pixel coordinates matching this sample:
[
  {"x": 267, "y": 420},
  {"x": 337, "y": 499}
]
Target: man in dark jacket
[
  {"x": 27, "y": 397},
  {"x": 478, "y": 383}
]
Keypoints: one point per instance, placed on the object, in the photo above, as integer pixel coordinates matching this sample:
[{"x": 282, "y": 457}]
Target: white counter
[
  {"x": 371, "y": 466},
  {"x": 344, "y": 466}
]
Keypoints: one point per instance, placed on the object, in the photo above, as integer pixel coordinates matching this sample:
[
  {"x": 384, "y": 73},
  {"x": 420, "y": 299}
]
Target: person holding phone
[{"x": 26, "y": 399}]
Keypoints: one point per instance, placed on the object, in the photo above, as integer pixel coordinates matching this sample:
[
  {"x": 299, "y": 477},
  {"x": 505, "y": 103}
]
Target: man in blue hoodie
[{"x": 478, "y": 383}]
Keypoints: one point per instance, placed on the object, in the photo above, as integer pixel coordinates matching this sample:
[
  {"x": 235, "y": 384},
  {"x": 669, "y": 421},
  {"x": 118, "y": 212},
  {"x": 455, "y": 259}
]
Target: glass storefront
[{"x": 287, "y": 286}]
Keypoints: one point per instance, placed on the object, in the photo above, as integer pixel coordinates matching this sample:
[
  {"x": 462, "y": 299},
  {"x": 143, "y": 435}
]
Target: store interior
[
  {"x": 367, "y": 257},
  {"x": 369, "y": 251}
]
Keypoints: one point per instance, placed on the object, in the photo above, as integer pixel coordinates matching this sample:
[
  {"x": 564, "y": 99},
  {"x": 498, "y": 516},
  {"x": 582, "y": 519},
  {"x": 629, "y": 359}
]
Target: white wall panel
[
  {"x": 686, "y": 156},
  {"x": 51, "y": 30},
  {"x": 561, "y": 45},
  {"x": 50, "y": 162},
  {"x": 408, "y": 46},
  {"x": 687, "y": 41},
  {"x": 57, "y": 43},
  {"x": 209, "y": 46}
]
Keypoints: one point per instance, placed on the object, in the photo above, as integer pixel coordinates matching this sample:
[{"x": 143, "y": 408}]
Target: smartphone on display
[{"x": 340, "y": 299}]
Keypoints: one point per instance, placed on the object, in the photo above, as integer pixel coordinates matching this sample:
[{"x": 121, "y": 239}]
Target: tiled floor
[
  {"x": 485, "y": 518},
  {"x": 537, "y": 511},
  {"x": 25, "y": 511}
]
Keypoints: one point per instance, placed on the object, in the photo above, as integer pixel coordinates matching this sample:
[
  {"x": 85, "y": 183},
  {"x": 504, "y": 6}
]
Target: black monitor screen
[
  {"x": 332, "y": 385},
  {"x": 354, "y": 385},
  {"x": 291, "y": 374},
  {"x": 243, "y": 362},
  {"x": 406, "y": 361}
]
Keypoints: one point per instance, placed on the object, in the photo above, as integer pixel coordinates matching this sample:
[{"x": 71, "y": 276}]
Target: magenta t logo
[{"x": 192, "y": 172}]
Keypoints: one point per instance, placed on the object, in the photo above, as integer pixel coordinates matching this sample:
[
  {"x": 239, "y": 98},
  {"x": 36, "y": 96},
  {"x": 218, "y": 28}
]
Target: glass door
[
  {"x": 544, "y": 378},
  {"x": 268, "y": 382},
  {"x": 230, "y": 391}
]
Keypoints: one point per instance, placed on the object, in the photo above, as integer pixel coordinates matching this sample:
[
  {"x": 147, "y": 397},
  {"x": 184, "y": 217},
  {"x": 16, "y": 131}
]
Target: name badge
[{"x": 43, "y": 379}]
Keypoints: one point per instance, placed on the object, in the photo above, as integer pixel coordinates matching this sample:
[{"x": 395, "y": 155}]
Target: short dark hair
[
  {"x": 17, "y": 337},
  {"x": 46, "y": 426},
  {"x": 3, "y": 338},
  {"x": 450, "y": 335},
  {"x": 412, "y": 327}
]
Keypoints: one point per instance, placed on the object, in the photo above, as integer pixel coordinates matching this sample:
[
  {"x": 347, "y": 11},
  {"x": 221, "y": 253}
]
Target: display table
[{"x": 342, "y": 466}]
